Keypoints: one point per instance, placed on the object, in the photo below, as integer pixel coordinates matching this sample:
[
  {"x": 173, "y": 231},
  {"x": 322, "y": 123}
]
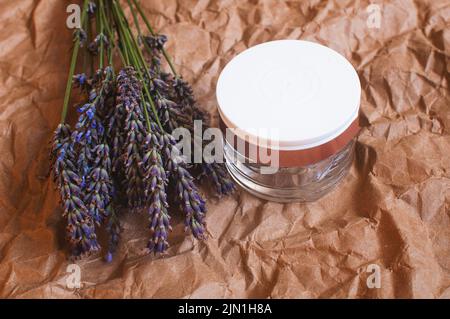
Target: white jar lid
[{"x": 308, "y": 93}]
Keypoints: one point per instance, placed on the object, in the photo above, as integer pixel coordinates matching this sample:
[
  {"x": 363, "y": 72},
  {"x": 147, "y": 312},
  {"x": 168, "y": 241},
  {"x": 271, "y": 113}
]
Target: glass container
[{"x": 289, "y": 113}]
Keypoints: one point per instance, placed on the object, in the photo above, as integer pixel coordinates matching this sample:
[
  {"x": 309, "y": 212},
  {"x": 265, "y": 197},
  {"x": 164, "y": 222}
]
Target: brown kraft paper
[{"x": 391, "y": 211}]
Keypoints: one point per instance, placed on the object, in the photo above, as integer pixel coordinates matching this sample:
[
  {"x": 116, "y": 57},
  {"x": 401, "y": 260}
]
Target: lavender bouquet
[{"x": 120, "y": 156}]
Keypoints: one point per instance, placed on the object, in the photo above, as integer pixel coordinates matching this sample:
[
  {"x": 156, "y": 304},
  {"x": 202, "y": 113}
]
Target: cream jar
[{"x": 289, "y": 111}]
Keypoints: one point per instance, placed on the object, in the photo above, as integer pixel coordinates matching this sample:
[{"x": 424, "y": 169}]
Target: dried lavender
[
  {"x": 94, "y": 164},
  {"x": 115, "y": 119},
  {"x": 91, "y": 8},
  {"x": 80, "y": 227},
  {"x": 121, "y": 154},
  {"x": 165, "y": 107},
  {"x": 81, "y": 35},
  {"x": 190, "y": 200},
  {"x": 99, "y": 186},
  {"x": 177, "y": 107},
  {"x": 80, "y": 81},
  {"x": 85, "y": 83},
  {"x": 94, "y": 46},
  {"x": 155, "y": 191},
  {"x": 155, "y": 44},
  {"x": 219, "y": 176},
  {"x": 113, "y": 228},
  {"x": 215, "y": 172},
  {"x": 129, "y": 96},
  {"x": 85, "y": 136},
  {"x": 184, "y": 94}
]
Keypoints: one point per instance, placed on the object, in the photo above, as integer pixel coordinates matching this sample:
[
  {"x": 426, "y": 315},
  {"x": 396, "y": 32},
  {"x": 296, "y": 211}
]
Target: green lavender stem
[
  {"x": 111, "y": 38},
  {"x": 136, "y": 23},
  {"x": 73, "y": 63},
  {"x": 100, "y": 23},
  {"x": 127, "y": 47},
  {"x": 137, "y": 59},
  {"x": 150, "y": 29},
  {"x": 135, "y": 18}
]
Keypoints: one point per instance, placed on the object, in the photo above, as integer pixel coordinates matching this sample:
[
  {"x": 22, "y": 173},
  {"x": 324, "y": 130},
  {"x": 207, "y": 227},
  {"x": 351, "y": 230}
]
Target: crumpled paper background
[{"x": 392, "y": 210}]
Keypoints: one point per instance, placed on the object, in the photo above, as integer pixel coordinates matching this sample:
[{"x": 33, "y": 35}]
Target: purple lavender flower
[
  {"x": 155, "y": 191},
  {"x": 99, "y": 189},
  {"x": 81, "y": 35},
  {"x": 214, "y": 172},
  {"x": 113, "y": 228},
  {"x": 91, "y": 8},
  {"x": 164, "y": 108},
  {"x": 129, "y": 96},
  {"x": 80, "y": 80},
  {"x": 86, "y": 137},
  {"x": 80, "y": 228},
  {"x": 177, "y": 107},
  {"x": 218, "y": 174},
  {"x": 191, "y": 202},
  {"x": 94, "y": 46},
  {"x": 183, "y": 93},
  {"x": 93, "y": 156},
  {"x": 156, "y": 42},
  {"x": 116, "y": 136}
]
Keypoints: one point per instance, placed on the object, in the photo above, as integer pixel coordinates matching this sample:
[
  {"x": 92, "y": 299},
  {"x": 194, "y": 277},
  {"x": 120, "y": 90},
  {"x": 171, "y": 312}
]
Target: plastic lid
[{"x": 305, "y": 92}]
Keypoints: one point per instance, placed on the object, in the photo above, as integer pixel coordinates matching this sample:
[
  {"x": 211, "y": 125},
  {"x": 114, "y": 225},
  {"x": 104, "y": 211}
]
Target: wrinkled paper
[{"x": 388, "y": 218}]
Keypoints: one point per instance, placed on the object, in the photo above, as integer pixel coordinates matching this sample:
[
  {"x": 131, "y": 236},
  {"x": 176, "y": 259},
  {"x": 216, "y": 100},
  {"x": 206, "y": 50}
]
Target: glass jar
[
  {"x": 288, "y": 184},
  {"x": 309, "y": 96}
]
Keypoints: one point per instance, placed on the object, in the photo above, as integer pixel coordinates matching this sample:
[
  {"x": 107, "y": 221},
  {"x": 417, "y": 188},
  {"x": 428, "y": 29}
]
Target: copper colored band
[{"x": 296, "y": 158}]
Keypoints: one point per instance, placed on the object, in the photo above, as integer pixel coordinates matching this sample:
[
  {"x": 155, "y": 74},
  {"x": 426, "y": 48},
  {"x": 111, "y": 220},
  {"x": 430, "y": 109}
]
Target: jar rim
[{"x": 256, "y": 152}]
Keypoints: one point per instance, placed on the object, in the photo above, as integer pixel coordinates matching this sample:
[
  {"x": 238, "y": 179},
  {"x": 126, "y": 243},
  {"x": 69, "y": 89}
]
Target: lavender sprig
[
  {"x": 177, "y": 107},
  {"x": 155, "y": 44},
  {"x": 94, "y": 164},
  {"x": 100, "y": 188},
  {"x": 80, "y": 227},
  {"x": 215, "y": 172},
  {"x": 114, "y": 229},
  {"x": 183, "y": 93},
  {"x": 80, "y": 35},
  {"x": 219, "y": 176},
  {"x": 156, "y": 181},
  {"x": 89, "y": 130},
  {"x": 191, "y": 202},
  {"x": 92, "y": 7},
  {"x": 129, "y": 95},
  {"x": 86, "y": 136},
  {"x": 117, "y": 155},
  {"x": 165, "y": 107},
  {"x": 116, "y": 136},
  {"x": 80, "y": 80},
  {"x": 94, "y": 46}
]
